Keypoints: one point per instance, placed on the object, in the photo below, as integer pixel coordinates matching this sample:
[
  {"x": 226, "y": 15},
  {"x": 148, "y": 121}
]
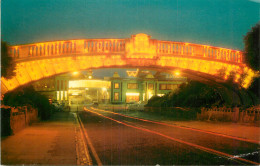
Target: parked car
[
  {"x": 57, "y": 106},
  {"x": 137, "y": 106},
  {"x": 95, "y": 104}
]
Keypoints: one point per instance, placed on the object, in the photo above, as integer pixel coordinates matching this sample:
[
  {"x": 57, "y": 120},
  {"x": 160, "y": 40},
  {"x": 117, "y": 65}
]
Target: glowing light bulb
[
  {"x": 177, "y": 73},
  {"x": 75, "y": 73}
]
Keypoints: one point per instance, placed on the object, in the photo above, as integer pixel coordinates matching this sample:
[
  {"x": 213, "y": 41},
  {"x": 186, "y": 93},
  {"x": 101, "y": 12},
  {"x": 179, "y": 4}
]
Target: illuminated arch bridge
[{"x": 40, "y": 60}]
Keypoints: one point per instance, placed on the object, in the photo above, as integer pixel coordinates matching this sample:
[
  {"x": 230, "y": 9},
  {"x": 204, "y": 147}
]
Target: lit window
[
  {"x": 132, "y": 86},
  {"x": 150, "y": 86},
  {"x": 160, "y": 95},
  {"x": 116, "y": 85},
  {"x": 162, "y": 86},
  {"x": 66, "y": 95},
  {"x": 58, "y": 95},
  {"x": 167, "y": 86},
  {"x": 116, "y": 96},
  {"x": 130, "y": 97},
  {"x": 61, "y": 95}
]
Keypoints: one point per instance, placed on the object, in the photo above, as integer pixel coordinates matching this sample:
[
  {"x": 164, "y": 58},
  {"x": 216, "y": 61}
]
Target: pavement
[
  {"x": 245, "y": 131},
  {"x": 45, "y": 142}
]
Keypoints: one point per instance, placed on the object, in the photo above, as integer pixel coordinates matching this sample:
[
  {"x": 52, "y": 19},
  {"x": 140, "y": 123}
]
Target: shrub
[
  {"x": 28, "y": 96},
  {"x": 194, "y": 94}
]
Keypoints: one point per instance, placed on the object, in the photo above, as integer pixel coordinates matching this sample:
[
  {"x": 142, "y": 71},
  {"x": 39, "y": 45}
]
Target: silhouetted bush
[
  {"x": 193, "y": 94},
  {"x": 28, "y": 96},
  {"x": 7, "y": 63},
  {"x": 5, "y": 122}
]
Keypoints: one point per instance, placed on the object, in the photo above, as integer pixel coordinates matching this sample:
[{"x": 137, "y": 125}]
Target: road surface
[{"x": 121, "y": 140}]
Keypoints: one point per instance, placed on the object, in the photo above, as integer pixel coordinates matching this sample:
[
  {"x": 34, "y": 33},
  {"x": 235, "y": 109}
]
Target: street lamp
[
  {"x": 177, "y": 73},
  {"x": 104, "y": 89},
  {"x": 75, "y": 73}
]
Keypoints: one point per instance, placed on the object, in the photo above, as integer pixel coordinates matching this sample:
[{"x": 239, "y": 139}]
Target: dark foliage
[
  {"x": 255, "y": 87},
  {"x": 7, "y": 64},
  {"x": 252, "y": 58},
  {"x": 5, "y": 122},
  {"x": 193, "y": 94},
  {"x": 252, "y": 47},
  {"x": 28, "y": 96}
]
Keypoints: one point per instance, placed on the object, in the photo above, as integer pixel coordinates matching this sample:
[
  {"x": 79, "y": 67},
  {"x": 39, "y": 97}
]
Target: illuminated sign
[{"x": 132, "y": 94}]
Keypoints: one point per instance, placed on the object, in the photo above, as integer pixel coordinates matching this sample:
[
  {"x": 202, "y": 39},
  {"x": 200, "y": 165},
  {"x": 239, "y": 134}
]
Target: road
[{"x": 121, "y": 140}]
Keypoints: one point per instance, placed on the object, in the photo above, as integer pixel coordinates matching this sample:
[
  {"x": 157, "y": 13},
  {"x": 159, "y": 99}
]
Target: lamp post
[
  {"x": 104, "y": 89},
  {"x": 97, "y": 95}
]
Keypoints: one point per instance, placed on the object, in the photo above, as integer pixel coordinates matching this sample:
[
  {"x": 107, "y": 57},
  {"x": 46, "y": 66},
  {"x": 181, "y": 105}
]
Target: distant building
[
  {"x": 81, "y": 89},
  {"x": 62, "y": 88},
  {"x": 46, "y": 87},
  {"x": 141, "y": 88},
  {"x": 78, "y": 88}
]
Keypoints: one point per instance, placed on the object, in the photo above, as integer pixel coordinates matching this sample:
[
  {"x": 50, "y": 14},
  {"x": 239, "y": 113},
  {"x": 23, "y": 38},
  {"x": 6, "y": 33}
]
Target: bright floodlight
[
  {"x": 75, "y": 73},
  {"x": 177, "y": 73}
]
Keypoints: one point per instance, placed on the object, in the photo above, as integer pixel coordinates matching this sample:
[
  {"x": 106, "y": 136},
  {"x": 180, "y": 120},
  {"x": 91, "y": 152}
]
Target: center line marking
[
  {"x": 209, "y": 150},
  {"x": 183, "y": 127}
]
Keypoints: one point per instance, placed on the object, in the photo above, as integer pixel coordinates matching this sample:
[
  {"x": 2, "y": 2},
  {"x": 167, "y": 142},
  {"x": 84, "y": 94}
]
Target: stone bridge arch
[{"x": 41, "y": 60}]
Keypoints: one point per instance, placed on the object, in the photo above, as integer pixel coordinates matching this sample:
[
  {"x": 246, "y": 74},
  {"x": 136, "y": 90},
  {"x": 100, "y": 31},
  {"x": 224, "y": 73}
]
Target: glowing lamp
[
  {"x": 225, "y": 77},
  {"x": 132, "y": 94},
  {"x": 75, "y": 73},
  {"x": 177, "y": 73}
]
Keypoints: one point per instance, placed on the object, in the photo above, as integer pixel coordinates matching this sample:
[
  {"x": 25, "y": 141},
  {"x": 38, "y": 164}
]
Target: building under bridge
[{"x": 78, "y": 88}]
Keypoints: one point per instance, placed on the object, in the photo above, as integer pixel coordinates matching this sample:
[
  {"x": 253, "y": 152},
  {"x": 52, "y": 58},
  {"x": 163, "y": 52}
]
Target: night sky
[{"x": 215, "y": 22}]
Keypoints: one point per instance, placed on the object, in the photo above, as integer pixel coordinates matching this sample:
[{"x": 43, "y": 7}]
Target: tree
[
  {"x": 252, "y": 47},
  {"x": 26, "y": 95},
  {"x": 252, "y": 58},
  {"x": 193, "y": 94},
  {"x": 7, "y": 64}
]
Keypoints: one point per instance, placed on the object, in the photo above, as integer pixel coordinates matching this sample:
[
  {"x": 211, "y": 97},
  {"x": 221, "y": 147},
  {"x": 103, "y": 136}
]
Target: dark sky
[{"x": 214, "y": 22}]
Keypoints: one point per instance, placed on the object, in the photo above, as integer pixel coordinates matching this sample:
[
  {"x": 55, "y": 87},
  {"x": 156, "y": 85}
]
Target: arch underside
[{"x": 33, "y": 70}]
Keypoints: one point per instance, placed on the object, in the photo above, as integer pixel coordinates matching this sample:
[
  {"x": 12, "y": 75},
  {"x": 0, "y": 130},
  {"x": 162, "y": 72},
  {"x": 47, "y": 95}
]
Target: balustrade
[
  {"x": 118, "y": 45},
  {"x": 104, "y": 46},
  {"x": 188, "y": 49}
]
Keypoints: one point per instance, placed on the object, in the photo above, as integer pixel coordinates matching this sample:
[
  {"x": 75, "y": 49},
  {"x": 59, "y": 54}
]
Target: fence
[{"x": 249, "y": 115}]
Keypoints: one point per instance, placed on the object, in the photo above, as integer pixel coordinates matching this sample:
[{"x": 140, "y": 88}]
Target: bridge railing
[
  {"x": 84, "y": 46},
  {"x": 104, "y": 45},
  {"x": 196, "y": 50},
  {"x": 67, "y": 48}
]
